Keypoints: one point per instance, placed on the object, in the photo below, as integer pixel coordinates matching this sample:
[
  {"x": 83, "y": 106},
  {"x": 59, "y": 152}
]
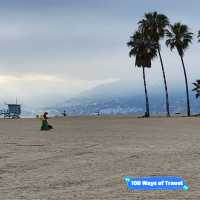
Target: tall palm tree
[
  {"x": 154, "y": 25},
  {"x": 180, "y": 38},
  {"x": 144, "y": 50}
]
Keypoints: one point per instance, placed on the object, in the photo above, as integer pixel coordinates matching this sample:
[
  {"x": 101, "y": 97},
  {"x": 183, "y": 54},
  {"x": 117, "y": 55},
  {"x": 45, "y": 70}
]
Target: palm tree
[
  {"x": 144, "y": 50},
  {"x": 180, "y": 38},
  {"x": 154, "y": 25}
]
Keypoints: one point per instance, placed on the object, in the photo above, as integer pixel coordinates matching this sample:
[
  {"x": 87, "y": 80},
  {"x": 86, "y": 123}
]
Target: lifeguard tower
[{"x": 13, "y": 111}]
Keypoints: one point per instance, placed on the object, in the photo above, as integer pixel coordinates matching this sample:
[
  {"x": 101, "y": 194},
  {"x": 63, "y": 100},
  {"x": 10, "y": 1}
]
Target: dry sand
[{"x": 86, "y": 158}]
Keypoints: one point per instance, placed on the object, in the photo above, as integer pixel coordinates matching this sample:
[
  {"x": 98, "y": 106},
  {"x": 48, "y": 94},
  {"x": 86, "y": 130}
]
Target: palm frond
[
  {"x": 153, "y": 25},
  {"x": 198, "y": 36},
  {"x": 179, "y": 37},
  {"x": 143, "y": 49},
  {"x": 196, "y": 88}
]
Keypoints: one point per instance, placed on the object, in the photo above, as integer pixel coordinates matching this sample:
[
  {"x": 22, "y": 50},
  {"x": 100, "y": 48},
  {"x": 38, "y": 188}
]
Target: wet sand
[{"x": 86, "y": 158}]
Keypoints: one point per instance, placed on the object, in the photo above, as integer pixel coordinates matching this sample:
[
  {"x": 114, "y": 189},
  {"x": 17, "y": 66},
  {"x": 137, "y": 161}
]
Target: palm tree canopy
[
  {"x": 153, "y": 24},
  {"x": 197, "y": 88},
  {"x": 198, "y": 36},
  {"x": 143, "y": 49},
  {"x": 179, "y": 37}
]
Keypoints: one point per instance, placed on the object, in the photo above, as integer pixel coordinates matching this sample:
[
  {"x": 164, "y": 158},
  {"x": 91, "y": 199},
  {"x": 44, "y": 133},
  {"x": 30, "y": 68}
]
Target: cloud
[
  {"x": 54, "y": 49},
  {"x": 43, "y": 89}
]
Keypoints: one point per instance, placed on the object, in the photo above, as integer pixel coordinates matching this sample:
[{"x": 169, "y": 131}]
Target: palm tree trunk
[
  {"x": 147, "y": 113},
  {"x": 187, "y": 90},
  {"x": 165, "y": 83}
]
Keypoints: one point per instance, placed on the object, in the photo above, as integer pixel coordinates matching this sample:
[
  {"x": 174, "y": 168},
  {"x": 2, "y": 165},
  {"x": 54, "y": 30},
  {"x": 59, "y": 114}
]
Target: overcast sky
[{"x": 62, "y": 47}]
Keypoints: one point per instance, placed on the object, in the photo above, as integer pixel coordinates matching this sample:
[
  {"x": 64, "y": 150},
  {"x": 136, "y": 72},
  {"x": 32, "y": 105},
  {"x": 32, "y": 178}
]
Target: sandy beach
[{"x": 86, "y": 158}]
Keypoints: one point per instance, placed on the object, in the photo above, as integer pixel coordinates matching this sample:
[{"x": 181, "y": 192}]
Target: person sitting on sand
[{"x": 45, "y": 125}]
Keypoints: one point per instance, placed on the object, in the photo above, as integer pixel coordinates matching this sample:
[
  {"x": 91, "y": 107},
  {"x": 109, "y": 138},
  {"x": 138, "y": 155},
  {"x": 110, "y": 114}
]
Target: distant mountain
[{"x": 120, "y": 98}]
